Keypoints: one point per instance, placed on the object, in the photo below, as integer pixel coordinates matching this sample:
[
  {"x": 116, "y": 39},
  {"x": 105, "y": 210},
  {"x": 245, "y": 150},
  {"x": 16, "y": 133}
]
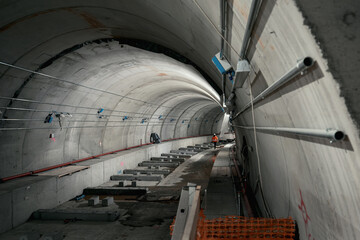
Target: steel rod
[
  {"x": 76, "y": 84},
  {"x": 329, "y": 133},
  {"x": 300, "y": 66},
  {"x": 74, "y": 113},
  {"x": 66, "y": 105}
]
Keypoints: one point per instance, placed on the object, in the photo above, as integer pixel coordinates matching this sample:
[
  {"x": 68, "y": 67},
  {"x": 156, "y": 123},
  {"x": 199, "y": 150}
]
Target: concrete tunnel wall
[
  {"x": 312, "y": 180},
  {"x": 143, "y": 93}
]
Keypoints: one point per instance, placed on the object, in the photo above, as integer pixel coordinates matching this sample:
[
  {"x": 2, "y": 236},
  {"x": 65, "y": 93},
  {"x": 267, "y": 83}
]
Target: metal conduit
[
  {"x": 64, "y": 105},
  {"x": 249, "y": 27},
  {"x": 70, "y": 121},
  {"x": 39, "y": 128},
  {"x": 73, "y": 106},
  {"x": 223, "y": 12},
  {"x": 72, "y": 113},
  {"x": 255, "y": 6},
  {"x": 329, "y": 133},
  {"x": 300, "y": 66}
]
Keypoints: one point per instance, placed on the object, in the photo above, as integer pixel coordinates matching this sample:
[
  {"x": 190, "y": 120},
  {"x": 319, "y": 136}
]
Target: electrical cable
[
  {"x": 57, "y": 128},
  {"x": 267, "y": 209},
  {"x": 75, "y": 113},
  {"x": 73, "y": 83},
  {"x": 80, "y": 85},
  {"x": 66, "y": 105},
  {"x": 208, "y": 18}
]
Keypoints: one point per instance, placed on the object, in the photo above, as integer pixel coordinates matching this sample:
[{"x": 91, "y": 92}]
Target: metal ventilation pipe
[
  {"x": 249, "y": 27},
  {"x": 255, "y": 6},
  {"x": 223, "y": 17},
  {"x": 300, "y": 66},
  {"x": 332, "y": 134}
]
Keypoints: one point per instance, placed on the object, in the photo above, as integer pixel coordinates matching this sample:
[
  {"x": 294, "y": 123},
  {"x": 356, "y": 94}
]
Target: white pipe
[
  {"x": 300, "y": 66},
  {"x": 329, "y": 133}
]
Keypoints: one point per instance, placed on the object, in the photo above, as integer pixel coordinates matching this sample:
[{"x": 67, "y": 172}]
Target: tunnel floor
[{"x": 147, "y": 218}]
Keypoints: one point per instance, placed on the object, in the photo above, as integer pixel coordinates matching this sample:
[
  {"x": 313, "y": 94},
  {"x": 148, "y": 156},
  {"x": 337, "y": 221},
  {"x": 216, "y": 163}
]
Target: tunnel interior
[{"x": 80, "y": 79}]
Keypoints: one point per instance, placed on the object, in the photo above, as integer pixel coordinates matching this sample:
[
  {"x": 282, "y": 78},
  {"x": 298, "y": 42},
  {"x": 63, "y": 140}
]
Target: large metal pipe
[
  {"x": 249, "y": 27},
  {"x": 332, "y": 134},
  {"x": 300, "y": 66},
  {"x": 255, "y": 6},
  {"x": 223, "y": 16}
]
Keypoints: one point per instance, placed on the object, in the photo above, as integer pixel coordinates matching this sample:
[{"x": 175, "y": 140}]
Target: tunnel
[{"x": 84, "y": 81}]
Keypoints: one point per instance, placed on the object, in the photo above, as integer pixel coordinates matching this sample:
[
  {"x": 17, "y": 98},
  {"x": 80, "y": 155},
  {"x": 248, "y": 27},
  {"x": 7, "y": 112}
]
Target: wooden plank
[{"x": 63, "y": 171}]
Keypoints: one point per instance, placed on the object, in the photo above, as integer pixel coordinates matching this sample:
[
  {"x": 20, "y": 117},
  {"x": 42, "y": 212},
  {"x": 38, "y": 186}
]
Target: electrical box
[
  {"x": 243, "y": 66},
  {"x": 222, "y": 64}
]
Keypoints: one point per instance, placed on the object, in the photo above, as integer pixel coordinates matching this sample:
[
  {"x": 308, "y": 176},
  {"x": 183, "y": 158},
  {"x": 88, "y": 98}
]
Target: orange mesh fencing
[{"x": 238, "y": 227}]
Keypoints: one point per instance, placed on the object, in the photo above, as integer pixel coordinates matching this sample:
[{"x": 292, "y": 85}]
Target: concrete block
[
  {"x": 142, "y": 177},
  {"x": 176, "y": 155},
  {"x": 159, "y": 164},
  {"x": 183, "y": 152},
  {"x": 94, "y": 200},
  {"x": 115, "y": 191},
  {"x": 107, "y": 201},
  {"x": 145, "y": 171},
  {"x": 77, "y": 214},
  {"x": 167, "y": 159}
]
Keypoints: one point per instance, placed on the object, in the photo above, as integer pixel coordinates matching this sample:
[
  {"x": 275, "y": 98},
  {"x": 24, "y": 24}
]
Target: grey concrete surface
[
  {"x": 21, "y": 197},
  {"x": 314, "y": 181},
  {"x": 220, "y": 199}
]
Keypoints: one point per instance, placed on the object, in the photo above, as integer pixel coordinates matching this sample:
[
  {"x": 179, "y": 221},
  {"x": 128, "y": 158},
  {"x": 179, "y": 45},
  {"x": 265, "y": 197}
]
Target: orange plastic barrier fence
[{"x": 238, "y": 227}]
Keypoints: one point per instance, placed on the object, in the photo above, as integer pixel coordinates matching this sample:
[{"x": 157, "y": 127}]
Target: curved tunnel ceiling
[
  {"x": 63, "y": 39},
  {"x": 140, "y": 91}
]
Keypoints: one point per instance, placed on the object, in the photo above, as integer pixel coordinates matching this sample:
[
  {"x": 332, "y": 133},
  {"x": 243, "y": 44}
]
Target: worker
[{"x": 214, "y": 140}]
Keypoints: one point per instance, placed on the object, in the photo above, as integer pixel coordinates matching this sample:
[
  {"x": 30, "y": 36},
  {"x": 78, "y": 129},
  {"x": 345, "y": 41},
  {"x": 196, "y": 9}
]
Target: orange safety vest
[{"x": 214, "y": 139}]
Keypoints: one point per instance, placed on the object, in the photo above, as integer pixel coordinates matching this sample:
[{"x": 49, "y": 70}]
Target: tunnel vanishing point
[{"x": 82, "y": 79}]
